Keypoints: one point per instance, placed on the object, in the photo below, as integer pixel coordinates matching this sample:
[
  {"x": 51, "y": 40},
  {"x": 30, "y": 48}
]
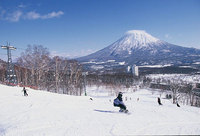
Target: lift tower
[{"x": 10, "y": 73}]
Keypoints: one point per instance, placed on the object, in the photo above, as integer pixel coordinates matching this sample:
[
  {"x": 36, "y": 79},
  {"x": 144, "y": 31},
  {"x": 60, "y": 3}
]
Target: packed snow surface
[{"x": 49, "y": 114}]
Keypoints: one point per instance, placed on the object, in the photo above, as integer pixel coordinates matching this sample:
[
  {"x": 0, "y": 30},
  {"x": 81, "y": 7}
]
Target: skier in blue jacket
[{"x": 118, "y": 102}]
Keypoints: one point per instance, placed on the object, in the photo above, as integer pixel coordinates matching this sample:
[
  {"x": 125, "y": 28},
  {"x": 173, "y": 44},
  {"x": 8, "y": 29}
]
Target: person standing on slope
[
  {"x": 25, "y": 92},
  {"x": 118, "y": 102},
  {"x": 159, "y": 101}
]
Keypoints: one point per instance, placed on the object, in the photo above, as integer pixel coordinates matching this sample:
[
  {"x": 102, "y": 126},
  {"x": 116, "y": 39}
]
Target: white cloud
[
  {"x": 52, "y": 15},
  {"x": 21, "y": 6},
  {"x": 32, "y": 15},
  {"x": 15, "y": 16}
]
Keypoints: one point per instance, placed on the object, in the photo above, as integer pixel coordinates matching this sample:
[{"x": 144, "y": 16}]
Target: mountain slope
[
  {"x": 43, "y": 113},
  {"x": 139, "y": 47}
]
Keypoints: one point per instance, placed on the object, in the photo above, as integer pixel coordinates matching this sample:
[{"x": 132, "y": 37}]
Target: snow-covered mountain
[
  {"x": 135, "y": 39},
  {"x": 140, "y": 48}
]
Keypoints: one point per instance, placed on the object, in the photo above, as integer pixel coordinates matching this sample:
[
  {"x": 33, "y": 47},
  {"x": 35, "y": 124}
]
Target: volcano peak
[{"x": 140, "y": 36}]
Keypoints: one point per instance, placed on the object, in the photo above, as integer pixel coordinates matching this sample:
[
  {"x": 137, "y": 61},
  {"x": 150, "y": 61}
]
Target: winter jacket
[{"x": 118, "y": 102}]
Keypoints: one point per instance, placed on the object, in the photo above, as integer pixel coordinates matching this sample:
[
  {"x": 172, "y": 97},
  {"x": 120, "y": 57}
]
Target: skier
[
  {"x": 25, "y": 92},
  {"x": 118, "y": 102},
  {"x": 159, "y": 101}
]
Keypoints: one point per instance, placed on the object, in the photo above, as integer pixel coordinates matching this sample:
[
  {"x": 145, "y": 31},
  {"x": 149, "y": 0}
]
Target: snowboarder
[
  {"x": 25, "y": 92},
  {"x": 118, "y": 102},
  {"x": 178, "y": 105},
  {"x": 159, "y": 101}
]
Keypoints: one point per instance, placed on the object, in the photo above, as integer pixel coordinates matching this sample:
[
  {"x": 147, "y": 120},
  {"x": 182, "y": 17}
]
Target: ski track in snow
[{"x": 43, "y": 113}]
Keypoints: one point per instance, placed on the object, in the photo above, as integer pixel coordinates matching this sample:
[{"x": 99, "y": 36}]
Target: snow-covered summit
[
  {"x": 141, "y": 36},
  {"x": 135, "y": 39}
]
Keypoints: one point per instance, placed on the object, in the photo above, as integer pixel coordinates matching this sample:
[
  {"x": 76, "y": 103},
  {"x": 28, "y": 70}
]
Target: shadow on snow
[{"x": 105, "y": 111}]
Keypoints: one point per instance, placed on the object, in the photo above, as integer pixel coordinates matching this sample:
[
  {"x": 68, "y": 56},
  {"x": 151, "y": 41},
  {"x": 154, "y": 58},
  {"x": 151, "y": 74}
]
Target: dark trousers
[
  {"x": 121, "y": 106},
  {"x": 25, "y": 93}
]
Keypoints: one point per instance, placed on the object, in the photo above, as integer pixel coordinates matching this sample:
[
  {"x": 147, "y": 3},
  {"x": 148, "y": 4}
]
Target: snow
[
  {"x": 178, "y": 77},
  {"x": 155, "y": 66},
  {"x": 122, "y": 63},
  {"x": 166, "y": 50},
  {"x": 97, "y": 67},
  {"x": 135, "y": 39},
  {"x": 185, "y": 66},
  {"x": 99, "y": 62},
  {"x": 196, "y": 63},
  {"x": 141, "y": 36},
  {"x": 90, "y": 62},
  {"x": 49, "y": 114},
  {"x": 111, "y": 61}
]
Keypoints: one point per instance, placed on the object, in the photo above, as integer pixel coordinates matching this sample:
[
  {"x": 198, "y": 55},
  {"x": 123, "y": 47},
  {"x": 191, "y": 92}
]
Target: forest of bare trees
[
  {"x": 35, "y": 68},
  {"x": 180, "y": 91}
]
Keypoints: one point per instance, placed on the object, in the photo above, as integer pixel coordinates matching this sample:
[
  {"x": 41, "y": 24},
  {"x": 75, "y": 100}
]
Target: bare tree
[
  {"x": 175, "y": 89},
  {"x": 53, "y": 74},
  {"x": 36, "y": 59},
  {"x": 57, "y": 64},
  {"x": 2, "y": 70}
]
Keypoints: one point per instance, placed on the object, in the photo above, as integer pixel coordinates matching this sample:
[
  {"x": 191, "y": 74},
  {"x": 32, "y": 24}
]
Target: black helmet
[{"x": 120, "y": 94}]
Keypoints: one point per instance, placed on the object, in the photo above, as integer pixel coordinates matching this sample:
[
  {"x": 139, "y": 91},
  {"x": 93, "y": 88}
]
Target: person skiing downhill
[
  {"x": 118, "y": 102},
  {"x": 25, "y": 92}
]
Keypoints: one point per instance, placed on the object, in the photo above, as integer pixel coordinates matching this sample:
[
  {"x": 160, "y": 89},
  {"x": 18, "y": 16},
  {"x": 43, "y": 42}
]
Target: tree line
[
  {"x": 180, "y": 91},
  {"x": 36, "y": 68}
]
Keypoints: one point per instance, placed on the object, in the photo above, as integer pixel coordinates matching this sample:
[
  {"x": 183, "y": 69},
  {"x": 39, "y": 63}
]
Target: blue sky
[{"x": 79, "y": 27}]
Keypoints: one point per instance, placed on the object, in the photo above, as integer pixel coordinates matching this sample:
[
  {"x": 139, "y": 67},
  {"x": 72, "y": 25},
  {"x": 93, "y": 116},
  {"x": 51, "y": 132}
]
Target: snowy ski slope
[{"x": 49, "y": 114}]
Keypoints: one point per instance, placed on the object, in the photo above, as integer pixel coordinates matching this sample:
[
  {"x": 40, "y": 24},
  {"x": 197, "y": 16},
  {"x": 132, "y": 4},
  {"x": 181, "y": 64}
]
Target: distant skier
[
  {"x": 159, "y": 101},
  {"x": 25, "y": 92},
  {"x": 178, "y": 105},
  {"x": 118, "y": 102}
]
